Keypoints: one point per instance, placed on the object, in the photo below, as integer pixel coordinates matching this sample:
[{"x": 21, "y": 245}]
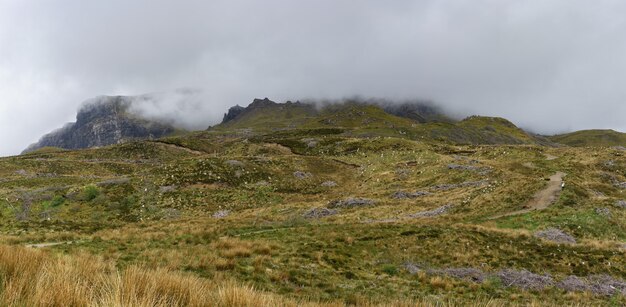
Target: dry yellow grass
[{"x": 37, "y": 278}]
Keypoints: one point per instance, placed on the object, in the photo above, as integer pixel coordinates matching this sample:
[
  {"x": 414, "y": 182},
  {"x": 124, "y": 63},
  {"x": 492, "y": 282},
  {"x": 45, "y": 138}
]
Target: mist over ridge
[{"x": 549, "y": 67}]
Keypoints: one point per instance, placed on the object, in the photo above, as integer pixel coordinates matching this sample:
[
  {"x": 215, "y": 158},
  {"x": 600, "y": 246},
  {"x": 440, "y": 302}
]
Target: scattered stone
[
  {"x": 115, "y": 181},
  {"x": 310, "y": 143},
  {"x": 221, "y": 214},
  {"x": 167, "y": 188},
  {"x": 606, "y": 285},
  {"x": 317, "y": 213},
  {"x": 234, "y": 163},
  {"x": 555, "y": 235},
  {"x": 412, "y": 268},
  {"x": 621, "y": 203},
  {"x": 46, "y": 175},
  {"x": 432, "y": 213},
  {"x": 621, "y": 185},
  {"x": 21, "y": 172},
  {"x": 301, "y": 175},
  {"x": 598, "y": 193},
  {"x": 597, "y": 284},
  {"x": 329, "y": 184},
  {"x": 350, "y": 203},
  {"x": 609, "y": 163},
  {"x": 622, "y": 148},
  {"x": 603, "y": 212},
  {"x": 405, "y": 195},
  {"x": 573, "y": 283},
  {"x": 525, "y": 280}
]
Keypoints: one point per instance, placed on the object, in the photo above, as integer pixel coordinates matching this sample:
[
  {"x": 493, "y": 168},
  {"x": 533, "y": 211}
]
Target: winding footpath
[{"x": 542, "y": 199}]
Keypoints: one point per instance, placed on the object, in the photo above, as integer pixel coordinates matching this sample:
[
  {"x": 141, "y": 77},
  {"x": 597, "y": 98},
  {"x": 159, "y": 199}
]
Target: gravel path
[{"x": 542, "y": 199}]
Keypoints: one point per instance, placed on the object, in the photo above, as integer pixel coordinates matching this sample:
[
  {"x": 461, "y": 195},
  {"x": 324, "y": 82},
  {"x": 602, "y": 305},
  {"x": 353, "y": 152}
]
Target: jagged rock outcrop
[
  {"x": 233, "y": 112},
  {"x": 103, "y": 121}
]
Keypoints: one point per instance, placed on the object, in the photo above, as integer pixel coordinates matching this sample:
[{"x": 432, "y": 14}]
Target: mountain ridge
[
  {"x": 102, "y": 121},
  {"x": 108, "y": 120}
]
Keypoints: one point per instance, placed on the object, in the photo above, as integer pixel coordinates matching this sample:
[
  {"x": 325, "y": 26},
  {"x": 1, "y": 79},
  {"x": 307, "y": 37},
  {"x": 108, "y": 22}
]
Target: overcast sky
[{"x": 550, "y": 66}]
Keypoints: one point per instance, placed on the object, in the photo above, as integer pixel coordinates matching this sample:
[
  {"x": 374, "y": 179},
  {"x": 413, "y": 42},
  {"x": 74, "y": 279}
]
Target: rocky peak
[
  {"x": 259, "y": 103},
  {"x": 256, "y": 104},
  {"x": 103, "y": 121},
  {"x": 102, "y": 107},
  {"x": 233, "y": 112}
]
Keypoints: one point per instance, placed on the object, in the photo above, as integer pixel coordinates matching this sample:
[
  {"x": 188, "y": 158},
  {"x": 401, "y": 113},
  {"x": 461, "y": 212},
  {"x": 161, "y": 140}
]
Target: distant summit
[
  {"x": 103, "y": 121},
  {"x": 594, "y": 138},
  {"x": 293, "y": 114},
  {"x": 412, "y": 119},
  {"x": 108, "y": 120}
]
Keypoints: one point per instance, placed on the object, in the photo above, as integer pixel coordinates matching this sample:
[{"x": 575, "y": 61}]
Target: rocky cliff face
[{"x": 103, "y": 121}]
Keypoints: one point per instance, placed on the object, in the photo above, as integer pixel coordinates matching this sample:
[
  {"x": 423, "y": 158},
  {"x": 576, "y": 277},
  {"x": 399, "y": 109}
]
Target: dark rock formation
[
  {"x": 432, "y": 213},
  {"x": 103, "y": 121},
  {"x": 350, "y": 203},
  {"x": 317, "y": 213},
  {"x": 555, "y": 235},
  {"x": 233, "y": 112},
  {"x": 406, "y": 195},
  {"x": 260, "y": 103}
]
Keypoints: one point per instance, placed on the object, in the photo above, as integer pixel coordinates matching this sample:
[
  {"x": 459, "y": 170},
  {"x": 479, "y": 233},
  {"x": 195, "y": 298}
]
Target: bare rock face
[
  {"x": 350, "y": 203},
  {"x": 103, "y": 121},
  {"x": 432, "y": 213},
  {"x": 233, "y": 112},
  {"x": 317, "y": 213},
  {"x": 555, "y": 235}
]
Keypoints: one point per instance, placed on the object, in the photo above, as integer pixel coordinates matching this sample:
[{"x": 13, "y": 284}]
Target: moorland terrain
[{"x": 343, "y": 204}]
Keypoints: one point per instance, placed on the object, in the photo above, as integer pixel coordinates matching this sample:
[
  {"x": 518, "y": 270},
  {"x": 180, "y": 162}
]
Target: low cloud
[
  {"x": 549, "y": 66},
  {"x": 186, "y": 108}
]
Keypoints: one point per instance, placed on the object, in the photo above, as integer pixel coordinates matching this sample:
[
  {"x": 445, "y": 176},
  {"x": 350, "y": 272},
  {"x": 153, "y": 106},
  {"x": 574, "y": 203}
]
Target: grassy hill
[
  {"x": 351, "y": 206},
  {"x": 369, "y": 119},
  {"x": 595, "y": 138}
]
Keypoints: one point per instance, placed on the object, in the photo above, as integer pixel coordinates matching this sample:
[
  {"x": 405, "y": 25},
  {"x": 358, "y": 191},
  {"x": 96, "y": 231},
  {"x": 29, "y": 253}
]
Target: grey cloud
[{"x": 549, "y": 66}]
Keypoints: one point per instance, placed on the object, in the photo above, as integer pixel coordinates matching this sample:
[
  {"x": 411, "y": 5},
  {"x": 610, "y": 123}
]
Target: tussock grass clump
[{"x": 35, "y": 278}]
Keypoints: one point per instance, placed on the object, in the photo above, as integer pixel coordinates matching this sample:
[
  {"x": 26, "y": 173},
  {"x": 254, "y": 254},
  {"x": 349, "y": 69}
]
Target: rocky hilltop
[
  {"x": 421, "y": 112},
  {"x": 103, "y": 121},
  {"x": 413, "y": 120}
]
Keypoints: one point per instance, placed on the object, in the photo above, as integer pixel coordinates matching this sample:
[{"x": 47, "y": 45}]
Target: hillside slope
[
  {"x": 596, "y": 138},
  {"x": 297, "y": 212},
  {"x": 371, "y": 118},
  {"x": 351, "y": 207}
]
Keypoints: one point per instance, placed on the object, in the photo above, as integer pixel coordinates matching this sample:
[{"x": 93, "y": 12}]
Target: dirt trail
[
  {"x": 542, "y": 199},
  {"x": 42, "y": 245},
  {"x": 550, "y": 157}
]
